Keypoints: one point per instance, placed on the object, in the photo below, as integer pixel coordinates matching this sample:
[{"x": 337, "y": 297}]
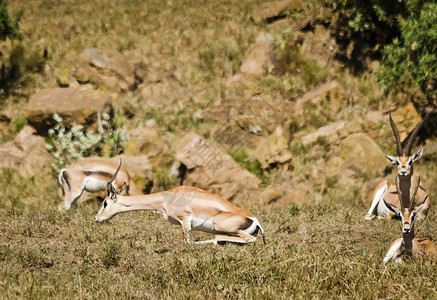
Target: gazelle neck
[
  {"x": 408, "y": 241},
  {"x": 404, "y": 186},
  {"x": 144, "y": 202}
]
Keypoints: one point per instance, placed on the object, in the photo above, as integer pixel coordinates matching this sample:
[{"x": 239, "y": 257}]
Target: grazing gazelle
[
  {"x": 385, "y": 192},
  {"x": 91, "y": 175},
  {"x": 409, "y": 244},
  {"x": 192, "y": 208}
]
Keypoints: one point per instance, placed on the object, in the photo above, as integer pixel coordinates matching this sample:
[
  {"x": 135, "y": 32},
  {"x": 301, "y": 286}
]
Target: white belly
[
  {"x": 203, "y": 225},
  {"x": 93, "y": 185}
]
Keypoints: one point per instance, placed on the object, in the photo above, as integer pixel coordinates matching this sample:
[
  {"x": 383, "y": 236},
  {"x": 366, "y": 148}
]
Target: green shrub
[
  {"x": 67, "y": 146},
  {"x": 9, "y": 28},
  {"x": 403, "y": 33}
]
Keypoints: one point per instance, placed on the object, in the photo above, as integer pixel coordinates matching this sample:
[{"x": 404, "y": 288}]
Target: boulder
[
  {"x": 210, "y": 168},
  {"x": 80, "y": 105},
  {"x": 145, "y": 140},
  {"x": 320, "y": 105},
  {"x": 111, "y": 70},
  {"x": 259, "y": 58},
  {"x": 5, "y": 120},
  {"x": 377, "y": 125},
  {"x": 27, "y": 153},
  {"x": 243, "y": 121},
  {"x": 161, "y": 90},
  {"x": 333, "y": 133},
  {"x": 273, "y": 149},
  {"x": 361, "y": 154},
  {"x": 272, "y": 10}
]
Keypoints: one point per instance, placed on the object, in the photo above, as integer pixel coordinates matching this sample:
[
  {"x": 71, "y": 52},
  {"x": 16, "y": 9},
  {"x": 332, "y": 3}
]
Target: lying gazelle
[
  {"x": 385, "y": 192},
  {"x": 192, "y": 208},
  {"x": 409, "y": 244},
  {"x": 91, "y": 175}
]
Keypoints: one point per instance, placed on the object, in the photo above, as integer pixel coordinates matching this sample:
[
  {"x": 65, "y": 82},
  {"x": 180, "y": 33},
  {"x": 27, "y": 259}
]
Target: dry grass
[{"x": 318, "y": 251}]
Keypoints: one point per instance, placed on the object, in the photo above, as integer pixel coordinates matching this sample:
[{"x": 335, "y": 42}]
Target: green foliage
[
  {"x": 242, "y": 156},
  {"x": 404, "y": 32},
  {"x": 9, "y": 28},
  {"x": 291, "y": 62},
  {"x": 67, "y": 146},
  {"x": 412, "y": 58}
]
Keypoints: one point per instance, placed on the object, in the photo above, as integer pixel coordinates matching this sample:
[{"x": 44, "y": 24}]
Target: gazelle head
[
  {"x": 404, "y": 160},
  {"x": 406, "y": 214},
  {"x": 108, "y": 206},
  {"x": 107, "y": 211}
]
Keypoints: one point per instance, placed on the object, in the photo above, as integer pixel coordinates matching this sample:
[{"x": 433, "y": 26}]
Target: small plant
[
  {"x": 242, "y": 156},
  {"x": 67, "y": 146}
]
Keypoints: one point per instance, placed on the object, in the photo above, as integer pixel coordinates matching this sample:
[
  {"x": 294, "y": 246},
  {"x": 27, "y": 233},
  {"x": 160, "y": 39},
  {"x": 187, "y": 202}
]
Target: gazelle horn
[
  {"x": 414, "y": 134},
  {"x": 397, "y": 137},
  {"x": 414, "y": 195},
  {"x": 116, "y": 172},
  {"x": 399, "y": 193}
]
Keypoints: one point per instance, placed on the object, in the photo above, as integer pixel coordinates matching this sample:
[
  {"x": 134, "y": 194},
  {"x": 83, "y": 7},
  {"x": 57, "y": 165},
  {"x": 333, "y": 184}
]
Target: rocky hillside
[{"x": 245, "y": 99}]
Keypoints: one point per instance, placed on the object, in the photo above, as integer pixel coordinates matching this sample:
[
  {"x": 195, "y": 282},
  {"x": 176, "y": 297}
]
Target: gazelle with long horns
[
  {"x": 409, "y": 245},
  {"x": 385, "y": 192},
  {"x": 192, "y": 208},
  {"x": 91, "y": 175}
]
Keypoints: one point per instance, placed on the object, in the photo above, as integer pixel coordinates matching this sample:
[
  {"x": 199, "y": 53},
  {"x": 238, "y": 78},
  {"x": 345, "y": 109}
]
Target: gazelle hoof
[{"x": 369, "y": 218}]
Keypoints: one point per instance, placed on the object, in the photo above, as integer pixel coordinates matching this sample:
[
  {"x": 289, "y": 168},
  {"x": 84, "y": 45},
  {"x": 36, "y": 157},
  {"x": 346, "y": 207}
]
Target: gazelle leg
[
  {"x": 186, "y": 227},
  {"x": 73, "y": 194},
  {"x": 243, "y": 239},
  {"x": 376, "y": 199}
]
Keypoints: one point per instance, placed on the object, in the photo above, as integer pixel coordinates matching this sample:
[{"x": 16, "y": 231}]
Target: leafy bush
[
  {"x": 67, "y": 146},
  {"x": 9, "y": 28},
  {"x": 404, "y": 33}
]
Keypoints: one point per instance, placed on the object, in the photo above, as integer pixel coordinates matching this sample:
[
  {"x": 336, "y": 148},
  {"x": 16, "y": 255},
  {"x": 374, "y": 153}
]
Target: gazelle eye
[{"x": 105, "y": 203}]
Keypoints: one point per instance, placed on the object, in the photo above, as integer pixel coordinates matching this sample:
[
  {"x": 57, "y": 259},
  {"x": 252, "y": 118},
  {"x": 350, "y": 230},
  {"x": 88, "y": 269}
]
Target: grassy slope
[{"x": 323, "y": 250}]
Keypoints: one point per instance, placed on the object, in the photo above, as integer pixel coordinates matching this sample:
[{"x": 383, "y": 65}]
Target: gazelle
[
  {"x": 409, "y": 244},
  {"x": 385, "y": 192},
  {"x": 192, "y": 208},
  {"x": 91, "y": 175}
]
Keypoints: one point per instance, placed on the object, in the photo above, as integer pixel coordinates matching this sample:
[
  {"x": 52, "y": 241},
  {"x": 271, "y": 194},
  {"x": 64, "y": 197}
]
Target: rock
[
  {"x": 145, "y": 140},
  {"x": 318, "y": 45},
  {"x": 243, "y": 121},
  {"x": 275, "y": 9},
  {"x": 320, "y": 105},
  {"x": 5, "y": 120},
  {"x": 162, "y": 90},
  {"x": 406, "y": 118},
  {"x": 332, "y": 133},
  {"x": 210, "y": 168},
  {"x": 361, "y": 153},
  {"x": 82, "y": 106},
  {"x": 259, "y": 58},
  {"x": 27, "y": 154},
  {"x": 273, "y": 149},
  {"x": 111, "y": 70},
  {"x": 272, "y": 194},
  {"x": 377, "y": 125}
]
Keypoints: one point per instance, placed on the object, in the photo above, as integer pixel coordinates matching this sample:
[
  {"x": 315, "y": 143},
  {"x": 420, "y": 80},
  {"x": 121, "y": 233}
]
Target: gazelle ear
[
  {"x": 418, "y": 154},
  {"x": 391, "y": 159},
  {"x": 392, "y": 208},
  {"x": 419, "y": 206},
  {"x": 110, "y": 190}
]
